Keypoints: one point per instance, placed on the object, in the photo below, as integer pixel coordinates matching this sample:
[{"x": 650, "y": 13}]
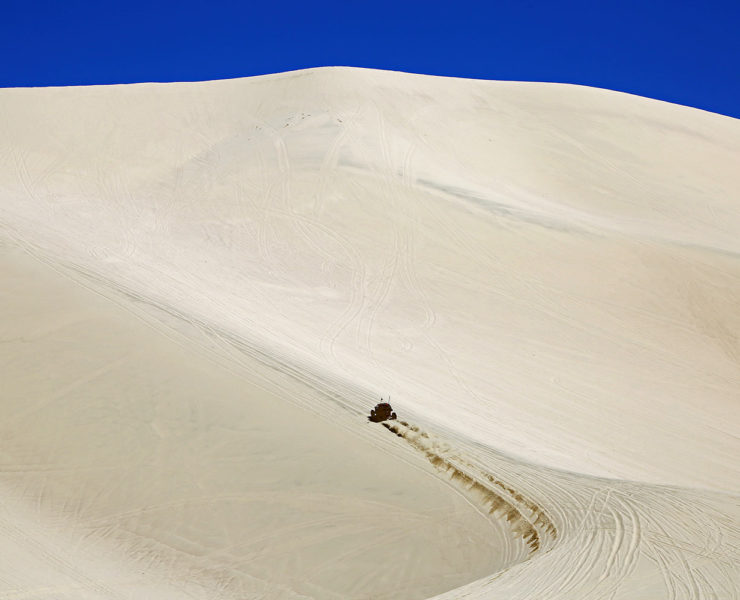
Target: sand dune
[
  {"x": 119, "y": 438},
  {"x": 207, "y": 285}
]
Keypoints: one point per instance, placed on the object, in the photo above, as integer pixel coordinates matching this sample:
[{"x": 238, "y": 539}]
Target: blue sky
[{"x": 684, "y": 52}]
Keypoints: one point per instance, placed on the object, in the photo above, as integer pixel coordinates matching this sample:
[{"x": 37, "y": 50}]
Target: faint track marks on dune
[{"x": 526, "y": 519}]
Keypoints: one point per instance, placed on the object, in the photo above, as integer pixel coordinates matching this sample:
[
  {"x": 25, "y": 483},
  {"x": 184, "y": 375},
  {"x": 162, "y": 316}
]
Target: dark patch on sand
[{"x": 526, "y": 518}]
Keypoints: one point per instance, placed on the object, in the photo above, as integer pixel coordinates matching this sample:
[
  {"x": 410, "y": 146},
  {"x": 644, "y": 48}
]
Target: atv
[{"x": 382, "y": 412}]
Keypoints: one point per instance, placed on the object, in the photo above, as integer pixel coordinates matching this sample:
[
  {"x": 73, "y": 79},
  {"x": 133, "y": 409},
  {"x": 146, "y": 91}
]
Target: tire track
[{"x": 498, "y": 499}]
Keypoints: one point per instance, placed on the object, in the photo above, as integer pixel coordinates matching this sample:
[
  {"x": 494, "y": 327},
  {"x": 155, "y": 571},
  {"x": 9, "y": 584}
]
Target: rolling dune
[{"x": 206, "y": 286}]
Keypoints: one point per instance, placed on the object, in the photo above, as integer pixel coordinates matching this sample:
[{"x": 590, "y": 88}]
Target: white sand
[
  {"x": 149, "y": 451},
  {"x": 546, "y": 278}
]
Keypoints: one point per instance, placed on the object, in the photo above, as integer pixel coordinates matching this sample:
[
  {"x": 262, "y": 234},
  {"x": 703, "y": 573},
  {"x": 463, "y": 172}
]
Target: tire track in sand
[{"x": 526, "y": 519}]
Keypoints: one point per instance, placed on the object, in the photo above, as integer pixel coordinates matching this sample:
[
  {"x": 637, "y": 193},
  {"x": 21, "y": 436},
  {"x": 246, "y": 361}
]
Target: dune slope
[
  {"x": 168, "y": 468},
  {"x": 545, "y": 277}
]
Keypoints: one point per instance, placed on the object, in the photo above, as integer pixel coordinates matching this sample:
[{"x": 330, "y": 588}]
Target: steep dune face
[
  {"x": 541, "y": 253},
  {"x": 550, "y": 272}
]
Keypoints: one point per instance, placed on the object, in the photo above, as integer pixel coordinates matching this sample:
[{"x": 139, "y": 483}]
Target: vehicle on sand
[{"x": 382, "y": 412}]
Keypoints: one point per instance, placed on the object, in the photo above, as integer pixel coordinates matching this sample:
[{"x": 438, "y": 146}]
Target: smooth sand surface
[
  {"x": 546, "y": 279},
  {"x": 128, "y": 442}
]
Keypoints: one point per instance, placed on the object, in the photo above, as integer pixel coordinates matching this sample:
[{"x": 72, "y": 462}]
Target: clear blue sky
[{"x": 684, "y": 52}]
